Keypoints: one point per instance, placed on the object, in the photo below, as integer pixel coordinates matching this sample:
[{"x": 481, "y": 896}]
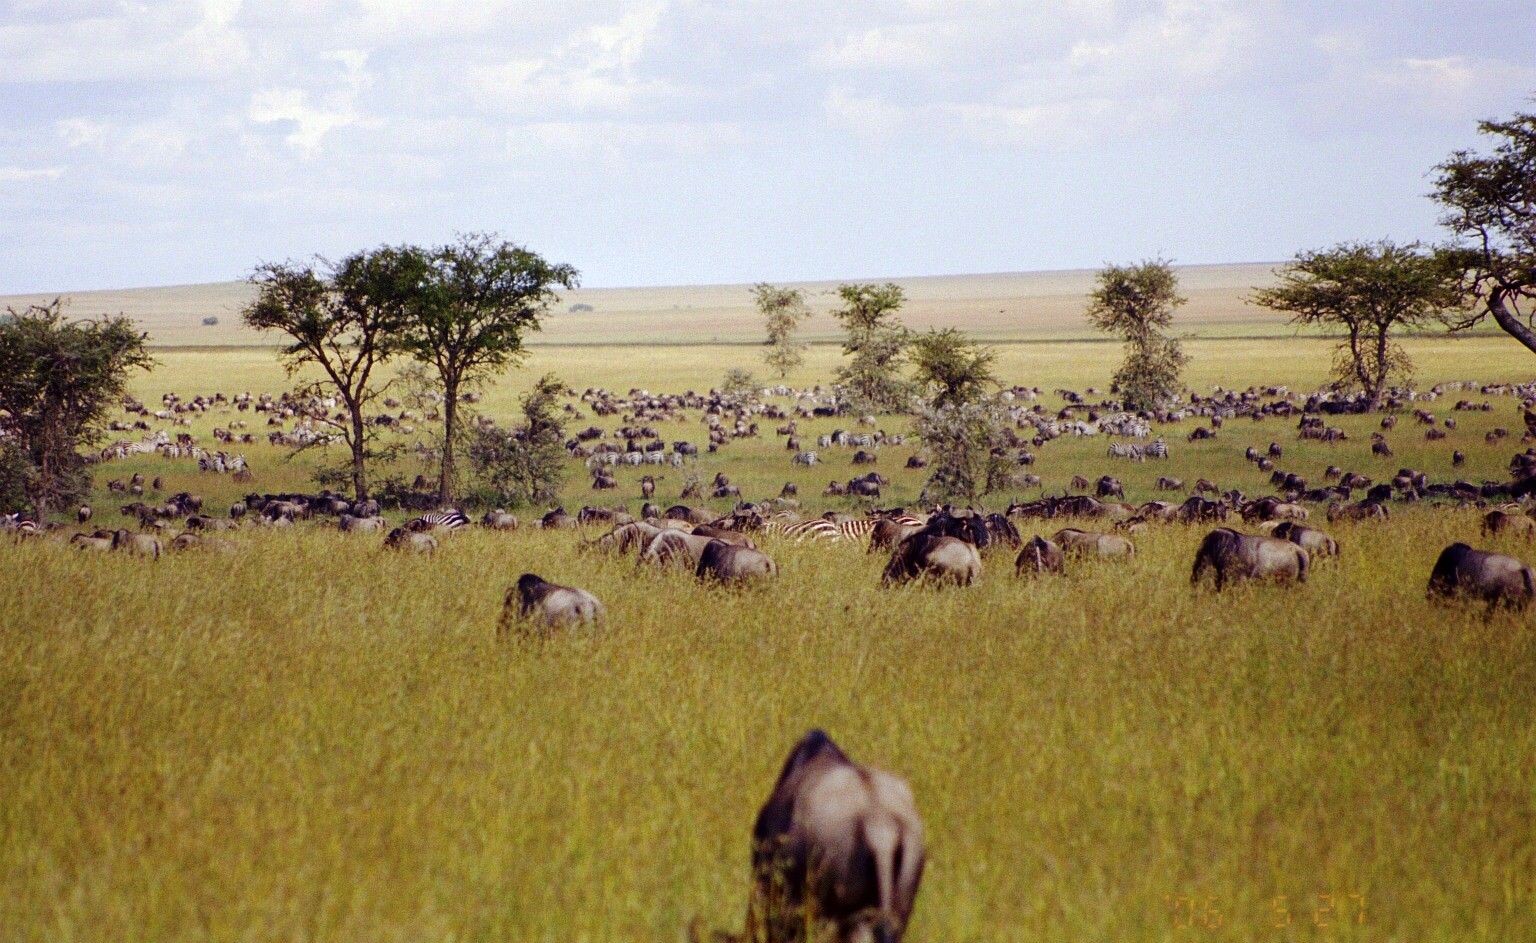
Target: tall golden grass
[{"x": 312, "y": 738}]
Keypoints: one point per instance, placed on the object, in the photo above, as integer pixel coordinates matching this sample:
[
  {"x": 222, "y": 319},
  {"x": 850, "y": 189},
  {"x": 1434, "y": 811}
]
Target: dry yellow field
[
  {"x": 311, "y": 738},
  {"x": 1001, "y": 306}
]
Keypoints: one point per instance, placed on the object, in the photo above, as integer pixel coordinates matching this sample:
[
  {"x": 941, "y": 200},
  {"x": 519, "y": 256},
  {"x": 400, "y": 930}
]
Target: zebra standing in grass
[
  {"x": 1126, "y": 450},
  {"x": 438, "y": 520},
  {"x": 822, "y": 529},
  {"x": 1157, "y": 449}
]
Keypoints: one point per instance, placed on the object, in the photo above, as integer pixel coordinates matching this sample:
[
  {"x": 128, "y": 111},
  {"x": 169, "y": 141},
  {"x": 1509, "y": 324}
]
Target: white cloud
[
  {"x": 29, "y": 174},
  {"x": 310, "y": 123}
]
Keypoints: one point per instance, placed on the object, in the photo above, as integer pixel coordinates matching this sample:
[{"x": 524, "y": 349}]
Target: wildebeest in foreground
[
  {"x": 1040, "y": 556},
  {"x": 544, "y": 605},
  {"x": 1495, "y": 577},
  {"x": 731, "y": 563},
  {"x": 1234, "y": 556},
  {"x": 838, "y": 843},
  {"x": 926, "y": 554}
]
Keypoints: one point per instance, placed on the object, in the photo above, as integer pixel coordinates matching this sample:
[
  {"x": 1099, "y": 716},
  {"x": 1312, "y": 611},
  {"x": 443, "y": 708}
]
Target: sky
[{"x": 664, "y": 142}]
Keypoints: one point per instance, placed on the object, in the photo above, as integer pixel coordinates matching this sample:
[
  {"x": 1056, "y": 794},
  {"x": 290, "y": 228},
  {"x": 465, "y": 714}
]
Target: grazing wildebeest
[
  {"x": 1500, "y": 579},
  {"x": 675, "y": 548},
  {"x": 1109, "y": 487},
  {"x": 1234, "y": 556},
  {"x": 100, "y": 541},
  {"x": 414, "y": 541},
  {"x": 717, "y": 532},
  {"x": 730, "y": 563},
  {"x": 835, "y": 842},
  {"x": 941, "y": 557},
  {"x": 626, "y": 538},
  {"x": 1500, "y": 521},
  {"x": 83, "y": 514},
  {"x": 348, "y": 524},
  {"x": 499, "y": 520},
  {"x": 1315, "y": 542},
  {"x": 888, "y": 533},
  {"x": 1040, "y": 556},
  {"x": 682, "y": 512},
  {"x": 544, "y": 606},
  {"x": 144, "y": 545},
  {"x": 557, "y": 519},
  {"x": 648, "y": 487},
  {"x": 1086, "y": 543}
]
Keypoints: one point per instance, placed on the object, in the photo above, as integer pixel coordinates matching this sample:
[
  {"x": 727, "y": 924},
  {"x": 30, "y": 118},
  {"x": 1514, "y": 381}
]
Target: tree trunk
[
  {"x": 450, "y": 422},
  {"x": 359, "y": 453},
  {"x": 1510, "y": 321},
  {"x": 1379, "y": 376},
  {"x": 44, "y": 482}
]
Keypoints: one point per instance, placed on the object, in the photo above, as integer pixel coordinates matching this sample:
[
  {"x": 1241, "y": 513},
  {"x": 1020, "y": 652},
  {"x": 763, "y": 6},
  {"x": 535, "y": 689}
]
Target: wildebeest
[
  {"x": 1040, "y": 556},
  {"x": 499, "y": 519},
  {"x": 544, "y": 605},
  {"x": 675, "y": 548},
  {"x": 725, "y": 562},
  {"x": 100, "y": 541},
  {"x": 1499, "y": 579},
  {"x": 414, "y": 541},
  {"x": 557, "y": 519},
  {"x": 889, "y": 532},
  {"x": 1500, "y": 521},
  {"x": 835, "y": 842},
  {"x": 1235, "y": 556},
  {"x": 83, "y": 513},
  {"x": 1085, "y": 543},
  {"x": 1315, "y": 542},
  {"x": 1109, "y": 487},
  {"x": 937, "y": 556},
  {"x": 144, "y": 545},
  {"x": 348, "y": 524}
]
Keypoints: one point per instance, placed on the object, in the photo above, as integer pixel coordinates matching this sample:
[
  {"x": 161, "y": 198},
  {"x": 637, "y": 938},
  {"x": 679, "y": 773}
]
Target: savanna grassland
[{"x": 312, "y": 738}]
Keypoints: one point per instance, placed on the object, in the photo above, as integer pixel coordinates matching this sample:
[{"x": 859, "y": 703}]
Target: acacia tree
[
  {"x": 782, "y": 309},
  {"x": 1137, "y": 302},
  {"x": 466, "y": 320},
  {"x": 950, "y": 368},
  {"x": 876, "y": 346},
  {"x": 1490, "y": 204},
  {"x": 527, "y": 465},
  {"x": 58, "y": 379},
  {"x": 1367, "y": 290},
  {"x": 345, "y": 319}
]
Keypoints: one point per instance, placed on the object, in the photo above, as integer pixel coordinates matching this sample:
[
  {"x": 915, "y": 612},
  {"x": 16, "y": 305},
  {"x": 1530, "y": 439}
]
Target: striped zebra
[
  {"x": 438, "y": 520},
  {"x": 822, "y": 529},
  {"x": 1126, "y": 450},
  {"x": 1157, "y": 449}
]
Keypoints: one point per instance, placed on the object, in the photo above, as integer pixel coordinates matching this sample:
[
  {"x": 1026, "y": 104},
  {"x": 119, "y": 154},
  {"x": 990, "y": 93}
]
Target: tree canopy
[
  {"x": 950, "y": 367},
  {"x": 1367, "y": 291},
  {"x": 1137, "y": 303},
  {"x": 58, "y": 380},
  {"x": 875, "y": 347},
  {"x": 1490, "y": 206},
  {"x": 782, "y": 309},
  {"x": 345, "y": 318},
  {"x": 476, "y": 300}
]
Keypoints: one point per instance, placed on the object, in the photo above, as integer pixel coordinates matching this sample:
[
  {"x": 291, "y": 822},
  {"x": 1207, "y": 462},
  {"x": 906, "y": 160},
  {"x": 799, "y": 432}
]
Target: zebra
[
  {"x": 814, "y": 529},
  {"x": 1126, "y": 450},
  {"x": 438, "y": 520},
  {"x": 1157, "y": 449},
  {"x": 805, "y": 458}
]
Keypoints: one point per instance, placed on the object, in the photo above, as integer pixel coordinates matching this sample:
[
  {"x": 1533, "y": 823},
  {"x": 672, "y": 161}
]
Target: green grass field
[{"x": 312, "y": 738}]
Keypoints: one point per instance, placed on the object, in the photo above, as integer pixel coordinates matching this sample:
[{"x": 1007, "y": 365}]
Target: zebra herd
[{"x": 1156, "y": 449}]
